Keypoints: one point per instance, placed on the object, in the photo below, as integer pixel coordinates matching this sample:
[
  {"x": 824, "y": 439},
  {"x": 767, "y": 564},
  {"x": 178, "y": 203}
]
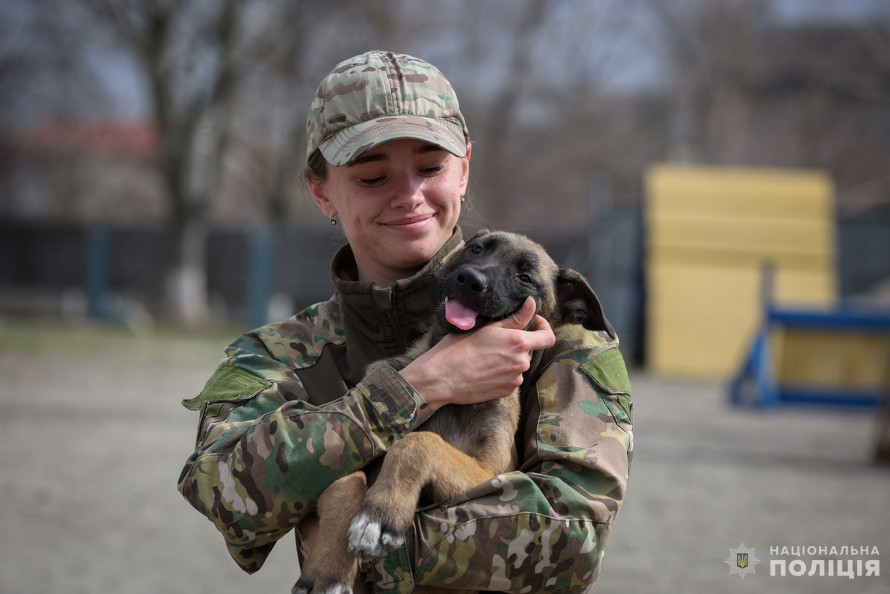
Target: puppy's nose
[{"x": 472, "y": 279}]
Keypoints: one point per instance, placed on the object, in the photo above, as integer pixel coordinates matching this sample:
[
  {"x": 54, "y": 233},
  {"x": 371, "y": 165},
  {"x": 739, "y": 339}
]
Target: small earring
[
  {"x": 334, "y": 220},
  {"x": 463, "y": 199}
]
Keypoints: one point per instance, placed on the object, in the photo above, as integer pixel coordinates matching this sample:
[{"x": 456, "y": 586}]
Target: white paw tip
[
  {"x": 391, "y": 541},
  {"x": 364, "y": 534}
]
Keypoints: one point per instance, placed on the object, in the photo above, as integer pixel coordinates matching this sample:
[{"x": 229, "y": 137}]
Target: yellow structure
[
  {"x": 850, "y": 361},
  {"x": 710, "y": 232}
]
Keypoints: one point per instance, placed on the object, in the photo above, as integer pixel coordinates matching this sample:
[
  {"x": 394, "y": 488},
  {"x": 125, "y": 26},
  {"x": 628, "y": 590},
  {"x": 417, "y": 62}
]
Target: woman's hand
[{"x": 482, "y": 365}]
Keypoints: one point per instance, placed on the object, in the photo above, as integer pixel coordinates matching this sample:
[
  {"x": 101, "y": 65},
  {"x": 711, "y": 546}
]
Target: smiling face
[{"x": 398, "y": 203}]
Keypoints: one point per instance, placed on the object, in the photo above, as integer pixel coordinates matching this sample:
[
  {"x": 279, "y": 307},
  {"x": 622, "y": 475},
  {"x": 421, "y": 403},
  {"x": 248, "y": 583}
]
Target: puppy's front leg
[
  {"x": 330, "y": 569},
  {"x": 418, "y": 459}
]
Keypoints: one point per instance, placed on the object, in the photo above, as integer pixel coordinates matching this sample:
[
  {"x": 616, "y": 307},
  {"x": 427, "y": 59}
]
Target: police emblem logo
[{"x": 741, "y": 561}]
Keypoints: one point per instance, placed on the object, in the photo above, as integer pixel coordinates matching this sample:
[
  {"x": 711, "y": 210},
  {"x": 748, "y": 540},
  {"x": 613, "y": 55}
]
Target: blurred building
[{"x": 83, "y": 171}]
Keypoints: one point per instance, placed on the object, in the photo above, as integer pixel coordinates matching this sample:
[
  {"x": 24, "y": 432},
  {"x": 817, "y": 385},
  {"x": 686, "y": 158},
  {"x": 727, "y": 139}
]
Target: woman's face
[{"x": 398, "y": 203}]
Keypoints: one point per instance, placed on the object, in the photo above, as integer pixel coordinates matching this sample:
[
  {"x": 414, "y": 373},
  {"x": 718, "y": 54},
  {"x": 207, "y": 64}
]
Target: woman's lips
[{"x": 410, "y": 223}]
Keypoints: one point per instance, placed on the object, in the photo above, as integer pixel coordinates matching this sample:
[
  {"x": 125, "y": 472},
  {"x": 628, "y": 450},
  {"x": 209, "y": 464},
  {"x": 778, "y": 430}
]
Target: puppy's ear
[
  {"x": 578, "y": 304},
  {"x": 479, "y": 234}
]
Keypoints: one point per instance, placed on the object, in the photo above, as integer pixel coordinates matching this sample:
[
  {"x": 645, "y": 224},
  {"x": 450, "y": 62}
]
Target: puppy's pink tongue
[{"x": 459, "y": 315}]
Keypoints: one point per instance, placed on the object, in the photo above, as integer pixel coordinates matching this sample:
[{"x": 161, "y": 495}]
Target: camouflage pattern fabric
[
  {"x": 378, "y": 96},
  {"x": 542, "y": 528},
  {"x": 269, "y": 443}
]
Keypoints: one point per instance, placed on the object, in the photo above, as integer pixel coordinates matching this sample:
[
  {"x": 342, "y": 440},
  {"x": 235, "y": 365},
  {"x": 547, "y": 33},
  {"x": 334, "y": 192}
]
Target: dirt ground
[{"x": 92, "y": 441}]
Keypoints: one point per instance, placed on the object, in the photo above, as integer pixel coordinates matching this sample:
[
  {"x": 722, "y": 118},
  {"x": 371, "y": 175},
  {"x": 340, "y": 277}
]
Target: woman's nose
[{"x": 408, "y": 192}]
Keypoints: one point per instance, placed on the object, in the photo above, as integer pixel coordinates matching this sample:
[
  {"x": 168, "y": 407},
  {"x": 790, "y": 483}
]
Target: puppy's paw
[
  {"x": 371, "y": 538},
  {"x": 328, "y": 575},
  {"x": 309, "y": 586}
]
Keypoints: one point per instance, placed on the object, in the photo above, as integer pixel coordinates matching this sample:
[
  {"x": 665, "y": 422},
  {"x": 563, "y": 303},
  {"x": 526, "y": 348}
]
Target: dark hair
[{"x": 316, "y": 168}]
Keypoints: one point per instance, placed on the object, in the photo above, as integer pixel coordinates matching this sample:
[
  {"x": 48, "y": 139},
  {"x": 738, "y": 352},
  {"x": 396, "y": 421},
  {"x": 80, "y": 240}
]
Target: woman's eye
[
  {"x": 433, "y": 170},
  {"x": 371, "y": 181}
]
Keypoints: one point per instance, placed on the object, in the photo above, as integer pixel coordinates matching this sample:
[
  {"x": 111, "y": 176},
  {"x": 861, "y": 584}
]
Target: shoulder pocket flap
[
  {"x": 608, "y": 371},
  {"x": 228, "y": 384}
]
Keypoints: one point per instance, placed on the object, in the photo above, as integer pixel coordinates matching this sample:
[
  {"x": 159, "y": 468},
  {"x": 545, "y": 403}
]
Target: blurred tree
[
  {"x": 748, "y": 88},
  {"x": 42, "y": 69},
  {"x": 188, "y": 53},
  {"x": 41, "y": 62},
  {"x": 530, "y": 19},
  {"x": 831, "y": 92},
  {"x": 288, "y": 42},
  {"x": 542, "y": 111}
]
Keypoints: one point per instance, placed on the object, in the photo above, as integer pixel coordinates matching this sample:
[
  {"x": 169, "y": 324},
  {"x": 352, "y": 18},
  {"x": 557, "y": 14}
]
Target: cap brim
[{"x": 349, "y": 143}]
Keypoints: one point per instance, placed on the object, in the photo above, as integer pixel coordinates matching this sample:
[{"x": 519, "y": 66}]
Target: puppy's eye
[
  {"x": 525, "y": 278},
  {"x": 476, "y": 249}
]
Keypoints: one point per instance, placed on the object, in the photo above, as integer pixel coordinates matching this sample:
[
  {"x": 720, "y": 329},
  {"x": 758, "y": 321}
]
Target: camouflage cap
[{"x": 380, "y": 96}]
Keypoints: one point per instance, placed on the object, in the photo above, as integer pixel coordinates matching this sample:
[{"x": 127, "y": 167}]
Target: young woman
[{"x": 290, "y": 410}]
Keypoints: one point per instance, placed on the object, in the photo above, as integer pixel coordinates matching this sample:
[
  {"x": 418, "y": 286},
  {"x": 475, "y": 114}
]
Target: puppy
[{"x": 459, "y": 446}]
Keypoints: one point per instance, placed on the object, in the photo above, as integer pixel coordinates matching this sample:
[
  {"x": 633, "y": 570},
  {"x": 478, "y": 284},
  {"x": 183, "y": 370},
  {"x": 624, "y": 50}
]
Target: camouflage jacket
[{"x": 290, "y": 410}]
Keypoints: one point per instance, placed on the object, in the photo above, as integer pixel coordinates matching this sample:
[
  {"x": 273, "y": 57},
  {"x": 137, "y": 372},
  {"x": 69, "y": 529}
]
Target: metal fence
[{"x": 44, "y": 267}]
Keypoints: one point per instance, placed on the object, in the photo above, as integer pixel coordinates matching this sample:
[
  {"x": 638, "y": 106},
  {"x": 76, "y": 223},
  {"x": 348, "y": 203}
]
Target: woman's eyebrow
[{"x": 361, "y": 159}]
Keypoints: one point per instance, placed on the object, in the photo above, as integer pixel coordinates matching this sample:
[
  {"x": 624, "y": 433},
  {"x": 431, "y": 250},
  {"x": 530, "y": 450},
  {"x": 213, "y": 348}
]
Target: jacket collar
[{"x": 384, "y": 321}]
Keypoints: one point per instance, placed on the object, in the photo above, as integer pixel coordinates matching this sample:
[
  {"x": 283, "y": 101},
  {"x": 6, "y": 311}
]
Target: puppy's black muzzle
[
  {"x": 484, "y": 291},
  {"x": 471, "y": 281}
]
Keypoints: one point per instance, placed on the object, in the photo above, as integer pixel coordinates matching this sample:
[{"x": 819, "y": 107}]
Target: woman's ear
[{"x": 320, "y": 197}]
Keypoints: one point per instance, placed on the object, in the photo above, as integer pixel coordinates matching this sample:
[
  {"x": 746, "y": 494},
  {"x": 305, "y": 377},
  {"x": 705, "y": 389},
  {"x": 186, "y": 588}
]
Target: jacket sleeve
[
  {"x": 543, "y": 527},
  {"x": 261, "y": 461}
]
